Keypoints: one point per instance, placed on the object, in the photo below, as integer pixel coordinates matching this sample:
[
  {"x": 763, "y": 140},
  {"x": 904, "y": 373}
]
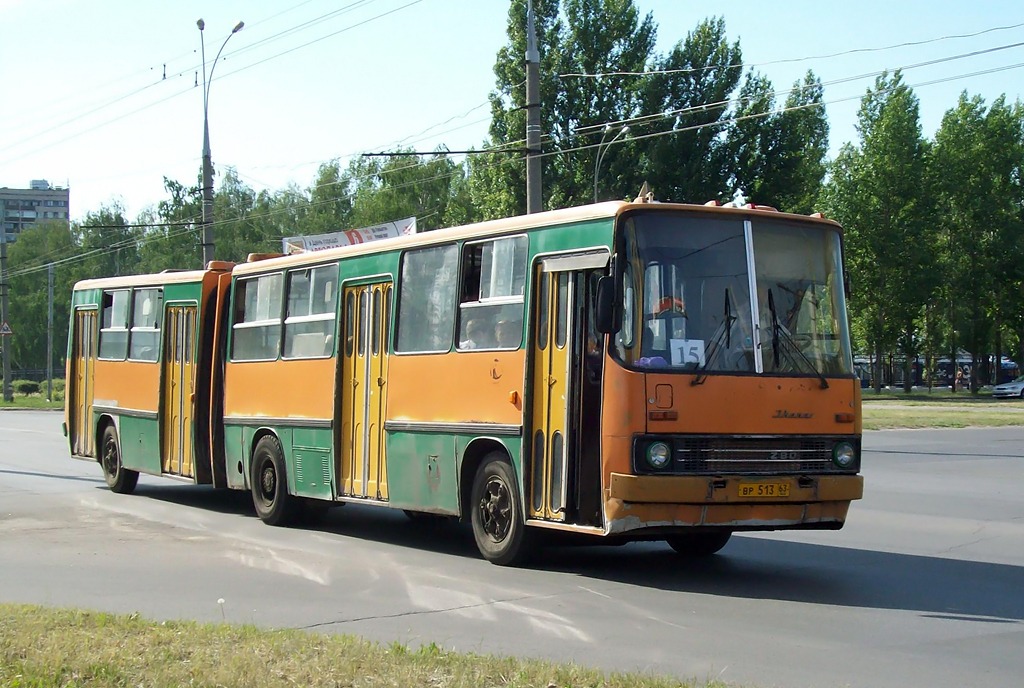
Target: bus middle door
[
  {"x": 364, "y": 391},
  {"x": 179, "y": 370}
]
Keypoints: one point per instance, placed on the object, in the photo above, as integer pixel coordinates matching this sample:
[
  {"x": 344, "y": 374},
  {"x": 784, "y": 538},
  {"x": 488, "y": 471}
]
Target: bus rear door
[{"x": 80, "y": 396}]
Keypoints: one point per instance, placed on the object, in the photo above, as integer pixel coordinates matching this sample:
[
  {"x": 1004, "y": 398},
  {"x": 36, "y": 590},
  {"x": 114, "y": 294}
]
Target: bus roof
[
  {"x": 151, "y": 280},
  {"x": 479, "y": 230}
]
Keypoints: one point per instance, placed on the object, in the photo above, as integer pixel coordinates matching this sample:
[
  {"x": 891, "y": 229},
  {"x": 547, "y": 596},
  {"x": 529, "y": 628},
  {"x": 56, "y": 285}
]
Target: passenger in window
[
  {"x": 475, "y": 335},
  {"x": 508, "y": 333}
]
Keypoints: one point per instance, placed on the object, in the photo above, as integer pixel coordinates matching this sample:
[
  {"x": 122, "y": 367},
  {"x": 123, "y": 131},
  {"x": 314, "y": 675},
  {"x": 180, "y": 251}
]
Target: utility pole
[
  {"x": 49, "y": 332},
  {"x": 207, "y": 162},
  {"x": 5, "y": 340},
  {"x": 534, "y": 197}
]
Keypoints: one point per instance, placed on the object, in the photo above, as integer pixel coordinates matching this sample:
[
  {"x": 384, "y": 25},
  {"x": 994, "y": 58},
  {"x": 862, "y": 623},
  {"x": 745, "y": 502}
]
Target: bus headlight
[
  {"x": 844, "y": 455},
  {"x": 658, "y": 455}
]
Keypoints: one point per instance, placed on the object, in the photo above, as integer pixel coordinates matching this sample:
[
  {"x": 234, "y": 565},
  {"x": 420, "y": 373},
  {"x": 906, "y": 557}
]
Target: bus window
[
  {"x": 312, "y": 303},
  {"x": 145, "y": 333},
  {"x": 257, "y": 327},
  {"x": 426, "y": 302},
  {"x": 491, "y": 294},
  {"x": 114, "y": 332}
]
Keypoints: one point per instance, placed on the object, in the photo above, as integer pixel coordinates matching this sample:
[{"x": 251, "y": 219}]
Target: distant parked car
[{"x": 1010, "y": 389}]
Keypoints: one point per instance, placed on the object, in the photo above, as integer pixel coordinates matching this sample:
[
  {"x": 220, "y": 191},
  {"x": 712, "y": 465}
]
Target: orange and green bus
[{"x": 617, "y": 372}]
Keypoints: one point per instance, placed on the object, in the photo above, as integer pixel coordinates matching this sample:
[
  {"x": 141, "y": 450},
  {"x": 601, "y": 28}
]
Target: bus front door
[
  {"x": 553, "y": 395},
  {"x": 364, "y": 377},
  {"x": 83, "y": 359},
  {"x": 179, "y": 369},
  {"x": 563, "y": 467}
]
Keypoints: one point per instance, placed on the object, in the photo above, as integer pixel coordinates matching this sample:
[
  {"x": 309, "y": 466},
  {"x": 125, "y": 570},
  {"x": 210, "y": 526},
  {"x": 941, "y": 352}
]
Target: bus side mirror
[
  {"x": 846, "y": 283},
  {"x": 607, "y": 320}
]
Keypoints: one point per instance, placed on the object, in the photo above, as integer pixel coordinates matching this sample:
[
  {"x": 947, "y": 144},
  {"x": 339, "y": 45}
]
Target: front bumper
[{"x": 664, "y": 503}]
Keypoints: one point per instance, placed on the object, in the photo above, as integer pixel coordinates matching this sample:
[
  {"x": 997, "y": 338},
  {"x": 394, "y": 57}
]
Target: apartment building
[{"x": 21, "y": 209}]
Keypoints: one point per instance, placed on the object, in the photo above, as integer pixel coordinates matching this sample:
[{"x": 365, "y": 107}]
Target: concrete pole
[
  {"x": 49, "y": 332},
  {"x": 207, "y": 160},
  {"x": 534, "y": 195},
  {"x": 5, "y": 340}
]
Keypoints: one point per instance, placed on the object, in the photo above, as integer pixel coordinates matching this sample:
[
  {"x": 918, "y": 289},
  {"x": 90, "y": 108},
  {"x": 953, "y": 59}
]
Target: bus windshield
[{"x": 692, "y": 297}]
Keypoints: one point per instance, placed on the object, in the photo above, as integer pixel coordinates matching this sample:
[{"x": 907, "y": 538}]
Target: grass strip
[{"x": 42, "y": 647}]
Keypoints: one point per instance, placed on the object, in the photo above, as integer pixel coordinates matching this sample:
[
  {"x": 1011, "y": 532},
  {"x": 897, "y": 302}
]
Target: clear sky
[{"x": 102, "y": 95}]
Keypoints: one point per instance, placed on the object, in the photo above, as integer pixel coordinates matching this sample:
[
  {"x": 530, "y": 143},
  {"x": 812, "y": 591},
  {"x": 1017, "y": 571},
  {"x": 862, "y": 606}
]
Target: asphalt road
[{"x": 924, "y": 587}]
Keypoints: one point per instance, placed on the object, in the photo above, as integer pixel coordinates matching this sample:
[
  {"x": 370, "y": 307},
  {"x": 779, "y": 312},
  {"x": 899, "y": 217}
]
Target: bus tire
[
  {"x": 269, "y": 483},
  {"x": 496, "y": 513},
  {"x": 698, "y": 544},
  {"x": 119, "y": 479}
]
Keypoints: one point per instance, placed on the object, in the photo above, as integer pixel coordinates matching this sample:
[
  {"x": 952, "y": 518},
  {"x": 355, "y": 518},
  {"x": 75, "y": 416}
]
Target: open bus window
[
  {"x": 256, "y": 331},
  {"x": 114, "y": 330},
  {"x": 492, "y": 293},
  {"x": 145, "y": 334},
  {"x": 312, "y": 304}
]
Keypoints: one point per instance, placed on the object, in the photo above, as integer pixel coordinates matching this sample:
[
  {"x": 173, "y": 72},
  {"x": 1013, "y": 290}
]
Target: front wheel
[
  {"x": 698, "y": 544},
  {"x": 269, "y": 483},
  {"x": 497, "y": 517},
  {"x": 119, "y": 479}
]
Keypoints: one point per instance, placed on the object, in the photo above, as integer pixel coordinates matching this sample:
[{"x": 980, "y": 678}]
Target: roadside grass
[
  {"x": 43, "y": 647},
  {"x": 940, "y": 408},
  {"x": 937, "y": 395},
  {"x": 32, "y": 401}
]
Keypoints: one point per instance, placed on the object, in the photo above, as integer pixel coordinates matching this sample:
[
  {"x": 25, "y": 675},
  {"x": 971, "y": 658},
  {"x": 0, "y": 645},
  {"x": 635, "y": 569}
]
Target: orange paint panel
[
  {"x": 129, "y": 384},
  {"x": 456, "y": 387},
  {"x": 280, "y": 389},
  {"x": 756, "y": 405}
]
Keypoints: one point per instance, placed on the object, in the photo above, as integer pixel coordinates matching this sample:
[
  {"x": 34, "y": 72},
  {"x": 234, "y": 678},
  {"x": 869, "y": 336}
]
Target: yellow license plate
[{"x": 763, "y": 490}]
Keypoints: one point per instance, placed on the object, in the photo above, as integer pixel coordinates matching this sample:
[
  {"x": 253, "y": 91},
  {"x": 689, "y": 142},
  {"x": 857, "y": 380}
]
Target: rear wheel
[
  {"x": 269, "y": 483},
  {"x": 698, "y": 544},
  {"x": 119, "y": 479},
  {"x": 497, "y": 516}
]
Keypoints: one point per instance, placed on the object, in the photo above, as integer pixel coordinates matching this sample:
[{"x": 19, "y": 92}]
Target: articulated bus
[{"x": 619, "y": 371}]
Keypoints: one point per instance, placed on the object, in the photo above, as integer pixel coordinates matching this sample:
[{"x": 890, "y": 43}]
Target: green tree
[
  {"x": 172, "y": 239},
  {"x": 28, "y": 258},
  {"x": 393, "y": 188},
  {"x": 878, "y": 192},
  {"x": 975, "y": 167},
  {"x": 597, "y": 37},
  {"x": 699, "y": 77},
  {"x": 109, "y": 243},
  {"x": 803, "y": 148}
]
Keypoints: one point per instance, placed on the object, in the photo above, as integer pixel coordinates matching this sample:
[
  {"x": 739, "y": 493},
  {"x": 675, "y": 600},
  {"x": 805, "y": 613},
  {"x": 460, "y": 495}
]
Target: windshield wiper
[
  {"x": 777, "y": 330},
  {"x": 724, "y": 330}
]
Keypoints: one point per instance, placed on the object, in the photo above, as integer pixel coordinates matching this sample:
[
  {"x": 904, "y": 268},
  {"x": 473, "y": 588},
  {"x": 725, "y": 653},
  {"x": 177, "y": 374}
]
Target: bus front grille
[{"x": 730, "y": 454}]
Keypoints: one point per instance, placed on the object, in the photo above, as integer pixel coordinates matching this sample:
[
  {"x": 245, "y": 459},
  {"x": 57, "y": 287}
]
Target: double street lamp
[
  {"x": 603, "y": 147},
  {"x": 207, "y": 163}
]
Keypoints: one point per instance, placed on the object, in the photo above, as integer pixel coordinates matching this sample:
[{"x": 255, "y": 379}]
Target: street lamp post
[
  {"x": 207, "y": 162},
  {"x": 602, "y": 148}
]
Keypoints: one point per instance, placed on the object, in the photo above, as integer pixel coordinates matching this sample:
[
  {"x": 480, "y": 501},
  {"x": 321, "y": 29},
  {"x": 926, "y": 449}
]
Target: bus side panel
[
  {"x": 471, "y": 386},
  {"x": 312, "y": 472},
  {"x": 135, "y": 387},
  {"x": 422, "y": 470},
  {"x": 236, "y": 455},
  {"x": 140, "y": 443},
  {"x": 268, "y": 394}
]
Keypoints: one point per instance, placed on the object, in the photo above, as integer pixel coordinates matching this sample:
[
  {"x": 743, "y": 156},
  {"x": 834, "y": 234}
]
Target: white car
[{"x": 1010, "y": 389}]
